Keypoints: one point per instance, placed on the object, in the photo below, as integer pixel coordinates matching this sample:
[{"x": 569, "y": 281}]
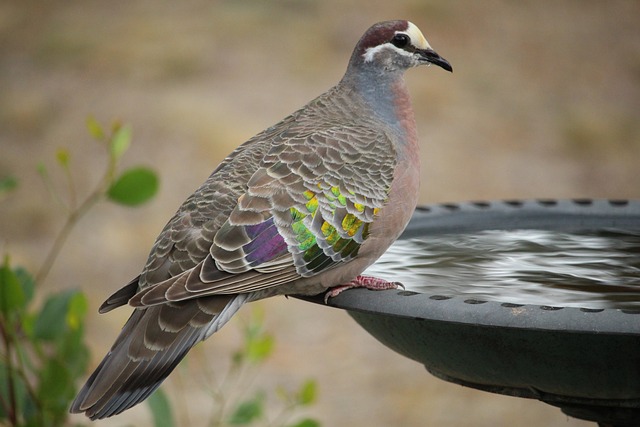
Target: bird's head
[{"x": 395, "y": 46}]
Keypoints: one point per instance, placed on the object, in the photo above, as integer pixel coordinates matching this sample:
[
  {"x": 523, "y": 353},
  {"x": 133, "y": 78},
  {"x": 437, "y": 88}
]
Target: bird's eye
[{"x": 400, "y": 40}]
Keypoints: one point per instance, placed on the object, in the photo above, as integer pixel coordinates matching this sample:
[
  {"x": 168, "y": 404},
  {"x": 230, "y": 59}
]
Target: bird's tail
[{"x": 149, "y": 347}]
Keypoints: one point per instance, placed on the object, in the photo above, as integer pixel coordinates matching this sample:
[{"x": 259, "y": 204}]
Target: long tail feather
[{"x": 144, "y": 354}]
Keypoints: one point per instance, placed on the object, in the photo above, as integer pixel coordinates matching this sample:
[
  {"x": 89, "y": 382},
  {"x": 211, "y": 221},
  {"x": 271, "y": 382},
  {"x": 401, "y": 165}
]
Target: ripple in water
[{"x": 599, "y": 269}]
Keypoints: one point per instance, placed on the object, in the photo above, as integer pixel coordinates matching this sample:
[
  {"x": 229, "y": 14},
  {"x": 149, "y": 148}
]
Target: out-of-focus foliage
[{"x": 43, "y": 353}]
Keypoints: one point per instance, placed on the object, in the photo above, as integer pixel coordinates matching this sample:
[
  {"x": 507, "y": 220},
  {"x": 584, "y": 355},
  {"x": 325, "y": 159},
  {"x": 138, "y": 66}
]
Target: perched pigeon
[{"x": 304, "y": 206}]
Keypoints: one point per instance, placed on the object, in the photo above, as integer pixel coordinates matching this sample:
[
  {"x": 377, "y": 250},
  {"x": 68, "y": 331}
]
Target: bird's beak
[{"x": 430, "y": 56}]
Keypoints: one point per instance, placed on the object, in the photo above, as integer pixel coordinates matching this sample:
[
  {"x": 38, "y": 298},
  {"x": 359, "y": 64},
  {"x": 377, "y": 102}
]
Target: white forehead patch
[
  {"x": 417, "y": 39},
  {"x": 415, "y": 35}
]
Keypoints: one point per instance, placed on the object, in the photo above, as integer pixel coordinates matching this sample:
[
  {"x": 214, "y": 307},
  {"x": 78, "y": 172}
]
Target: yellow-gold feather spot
[
  {"x": 351, "y": 224},
  {"x": 312, "y": 205}
]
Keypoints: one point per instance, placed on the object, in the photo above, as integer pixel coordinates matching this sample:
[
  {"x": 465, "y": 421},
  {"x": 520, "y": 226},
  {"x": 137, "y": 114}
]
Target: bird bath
[{"x": 581, "y": 355}]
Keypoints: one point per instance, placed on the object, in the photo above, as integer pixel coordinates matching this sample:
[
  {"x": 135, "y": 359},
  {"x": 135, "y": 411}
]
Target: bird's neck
[{"x": 387, "y": 97}]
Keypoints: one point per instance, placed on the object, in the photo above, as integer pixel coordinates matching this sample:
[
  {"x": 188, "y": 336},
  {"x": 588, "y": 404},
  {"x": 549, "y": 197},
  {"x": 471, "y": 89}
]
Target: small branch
[
  {"x": 75, "y": 213},
  {"x": 64, "y": 233},
  {"x": 22, "y": 372},
  {"x": 284, "y": 415},
  {"x": 73, "y": 196},
  {"x": 12, "y": 412},
  {"x": 44, "y": 175}
]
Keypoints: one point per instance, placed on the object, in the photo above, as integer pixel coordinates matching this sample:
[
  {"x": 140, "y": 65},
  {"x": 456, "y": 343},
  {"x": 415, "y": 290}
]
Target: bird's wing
[{"x": 306, "y": 209}]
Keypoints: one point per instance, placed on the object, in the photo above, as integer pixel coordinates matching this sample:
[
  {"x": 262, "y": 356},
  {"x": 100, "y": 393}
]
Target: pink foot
[{"x": 368, "y": 282}]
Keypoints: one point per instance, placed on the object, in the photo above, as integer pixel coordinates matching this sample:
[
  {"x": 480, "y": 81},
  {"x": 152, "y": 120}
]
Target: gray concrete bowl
[{"x": 585, "y": 361}]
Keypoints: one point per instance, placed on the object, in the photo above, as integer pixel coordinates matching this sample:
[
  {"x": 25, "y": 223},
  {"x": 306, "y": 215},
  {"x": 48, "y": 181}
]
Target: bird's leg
[{"x": 368, "y": 282}]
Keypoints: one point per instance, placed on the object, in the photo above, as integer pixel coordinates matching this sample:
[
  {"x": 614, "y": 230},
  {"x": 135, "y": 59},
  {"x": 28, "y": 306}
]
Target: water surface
[{"x": 599, "y": 269}]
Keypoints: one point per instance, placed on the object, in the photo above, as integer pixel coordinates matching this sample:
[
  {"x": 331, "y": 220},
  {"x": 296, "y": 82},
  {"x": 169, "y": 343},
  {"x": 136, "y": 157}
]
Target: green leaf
[
  {"x": 54, "y": 381},
  {"x": 63, "y": 157},
  {"x": 28, "y": 322},
  {"x": 237, "y": 357},
  {"x": 55, "y": 390},
  {"x": 77, "y": 310},
  {"x": 27, "y": 283},
  {"x": 161, "y": 409},
  {"x": 95, "y": 129},
  {"x": 12, "y": 296},
  {"x": 25, "y": 405},
  {"x": 307, "y": 422},
  {"x": 258, "y": 345},
  {"x": 134, "y": 187},
  {"x": 248, "y": 411},
  {"x": 42, "y": 170},
  {"x": 308, "y": 392},
  {"x": 74, "y": 352},
  {"x": 51, "y": 323},
  {"x": 259, "y": 348},
  {"x": 120, "y": 141},
  {"x": 7, "y": 184}
]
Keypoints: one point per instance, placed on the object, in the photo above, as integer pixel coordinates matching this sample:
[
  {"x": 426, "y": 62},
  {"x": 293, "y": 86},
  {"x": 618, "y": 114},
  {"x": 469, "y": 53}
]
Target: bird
[{"x": 302, "y": 208}]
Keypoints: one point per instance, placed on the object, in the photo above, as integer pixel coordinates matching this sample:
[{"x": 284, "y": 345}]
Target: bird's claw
[{"x": 368, "y": 282}]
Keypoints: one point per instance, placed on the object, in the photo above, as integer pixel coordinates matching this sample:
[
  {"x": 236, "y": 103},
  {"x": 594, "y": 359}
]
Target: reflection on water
[{"x": 599, "y": 269}]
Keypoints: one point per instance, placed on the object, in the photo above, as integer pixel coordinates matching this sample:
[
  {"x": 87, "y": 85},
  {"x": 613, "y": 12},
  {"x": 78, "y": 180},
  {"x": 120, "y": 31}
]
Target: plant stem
[
  {"x": 22, "y": 372},
  {"x": 64, "y": 233},
  {"x": 44, "y": 175},
  {"x": 12, "y": 412},
  {"x": 73, "y": 197},
  {"x": 74, "y": 216},
  {"x": 284, "y": 415}
]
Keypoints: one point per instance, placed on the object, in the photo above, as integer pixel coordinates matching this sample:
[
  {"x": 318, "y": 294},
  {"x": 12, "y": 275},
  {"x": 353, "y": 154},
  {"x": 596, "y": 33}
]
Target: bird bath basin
[{"x": 577, "y": 349}]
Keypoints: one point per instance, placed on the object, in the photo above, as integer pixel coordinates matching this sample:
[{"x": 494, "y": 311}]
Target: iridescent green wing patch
[
  {"x": 322, "y": 242},
  {"x": 323, "y": 188}
]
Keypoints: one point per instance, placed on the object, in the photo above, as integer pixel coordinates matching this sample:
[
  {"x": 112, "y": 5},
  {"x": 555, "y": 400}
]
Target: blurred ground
[{"x": 544, "y": 102}]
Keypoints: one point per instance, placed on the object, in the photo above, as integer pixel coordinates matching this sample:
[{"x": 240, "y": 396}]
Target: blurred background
[{"x": 544, "y": 102}]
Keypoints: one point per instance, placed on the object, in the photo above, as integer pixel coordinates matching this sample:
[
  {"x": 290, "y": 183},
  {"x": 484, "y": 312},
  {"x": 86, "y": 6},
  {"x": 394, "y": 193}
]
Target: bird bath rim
[
  {"x": 559, "y": 355},
  {"x": 545, "y": 214}
]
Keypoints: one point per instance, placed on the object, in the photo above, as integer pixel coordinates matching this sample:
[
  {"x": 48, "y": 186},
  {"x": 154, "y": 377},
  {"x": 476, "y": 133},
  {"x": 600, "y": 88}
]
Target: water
[{"x": 599, "y": 269}]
